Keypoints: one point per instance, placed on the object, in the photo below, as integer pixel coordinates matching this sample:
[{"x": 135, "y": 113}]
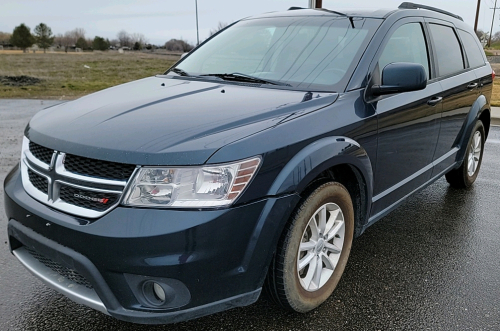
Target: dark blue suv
[{"x": 251, "y": 164}]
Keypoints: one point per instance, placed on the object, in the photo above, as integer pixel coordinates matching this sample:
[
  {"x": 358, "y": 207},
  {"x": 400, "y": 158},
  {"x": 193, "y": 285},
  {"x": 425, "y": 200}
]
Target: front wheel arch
[{"x": 338, "y": 159}]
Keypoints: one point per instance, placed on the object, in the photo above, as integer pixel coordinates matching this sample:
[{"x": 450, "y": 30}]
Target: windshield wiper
[
  {"x": 237, "y": 76},
  {"x": 180, "y": 72}
]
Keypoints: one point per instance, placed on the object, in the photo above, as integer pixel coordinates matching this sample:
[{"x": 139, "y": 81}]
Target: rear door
[
  {"x": 476, "y": 60},
  {"x": 460, "y": 90}
]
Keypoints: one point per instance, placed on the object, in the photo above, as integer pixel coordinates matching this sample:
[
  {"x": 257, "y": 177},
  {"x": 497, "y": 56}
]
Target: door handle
[
  {"x": 434, "y": 101},
  {"x": 472, "y": 86}
]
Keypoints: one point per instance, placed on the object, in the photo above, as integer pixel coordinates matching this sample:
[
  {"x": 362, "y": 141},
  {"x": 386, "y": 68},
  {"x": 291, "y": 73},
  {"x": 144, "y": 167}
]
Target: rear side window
[
  {"x": 474, "y": 53},
  {"x": 407, "y": 44},
  {"x": 448, "y": 51}
]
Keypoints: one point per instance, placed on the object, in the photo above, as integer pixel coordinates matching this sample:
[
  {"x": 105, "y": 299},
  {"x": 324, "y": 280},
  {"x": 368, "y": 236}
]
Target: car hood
[{"x": 166, "y": 121}]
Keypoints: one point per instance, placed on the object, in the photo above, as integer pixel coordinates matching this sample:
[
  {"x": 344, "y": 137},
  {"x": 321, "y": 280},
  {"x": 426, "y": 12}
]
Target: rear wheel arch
[
  {"x": 478, "y": 112},
  {"x": 485, "y": 117}
]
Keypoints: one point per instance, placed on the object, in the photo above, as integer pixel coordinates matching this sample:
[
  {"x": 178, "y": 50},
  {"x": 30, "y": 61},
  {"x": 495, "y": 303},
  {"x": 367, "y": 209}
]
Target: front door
[{"x": 408, "y": 123}]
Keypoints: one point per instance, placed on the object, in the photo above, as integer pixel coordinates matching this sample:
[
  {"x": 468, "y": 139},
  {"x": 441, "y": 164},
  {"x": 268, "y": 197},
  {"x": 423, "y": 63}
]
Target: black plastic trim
[{"x": 411, "y": 5}]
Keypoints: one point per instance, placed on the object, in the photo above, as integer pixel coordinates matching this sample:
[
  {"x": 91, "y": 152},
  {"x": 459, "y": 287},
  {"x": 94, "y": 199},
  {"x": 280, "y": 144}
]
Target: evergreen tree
[
  {"x": 100, "y": 44},
  {"x": 43, "y": 36},
  {"x": 21, "y": 37},
  {"x": 81, "y": 43}
]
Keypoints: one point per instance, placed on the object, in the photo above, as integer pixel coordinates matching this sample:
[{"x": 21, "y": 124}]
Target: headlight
[{"x": 190, "y": 187}]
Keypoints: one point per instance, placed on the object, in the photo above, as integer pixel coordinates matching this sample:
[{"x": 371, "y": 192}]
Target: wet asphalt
[{"x": 432, "y": 264}]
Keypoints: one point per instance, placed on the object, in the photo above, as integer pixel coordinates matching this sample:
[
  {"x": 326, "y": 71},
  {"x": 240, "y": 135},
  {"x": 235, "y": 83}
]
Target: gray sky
[{"x": 161, "y": 20}]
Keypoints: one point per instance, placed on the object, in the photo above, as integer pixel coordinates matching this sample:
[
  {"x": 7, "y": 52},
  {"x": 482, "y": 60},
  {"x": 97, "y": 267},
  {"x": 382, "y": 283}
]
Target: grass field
[
  {"x": 66, "y": 76},
  {"x": 495, "y": 96}
]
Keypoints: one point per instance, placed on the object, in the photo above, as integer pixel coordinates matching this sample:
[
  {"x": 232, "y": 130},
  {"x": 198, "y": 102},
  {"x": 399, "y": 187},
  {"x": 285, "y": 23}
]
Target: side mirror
[{"x": 401, "y": 77}]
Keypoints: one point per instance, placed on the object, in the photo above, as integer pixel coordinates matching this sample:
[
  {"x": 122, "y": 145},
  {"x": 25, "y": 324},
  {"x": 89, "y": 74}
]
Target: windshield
[{"x": 307, "y": 53}]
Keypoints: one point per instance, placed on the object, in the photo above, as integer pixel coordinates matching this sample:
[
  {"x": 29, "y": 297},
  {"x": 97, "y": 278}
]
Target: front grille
[
  {"x": 44, "y": 154},
  {"x": 39, "y": 182},
  {"x": 97, "y": 168},
  {"x": 98, "y": 201},
  {"x": 74, "y": 184},
  {"x": 66, "y": 272}
]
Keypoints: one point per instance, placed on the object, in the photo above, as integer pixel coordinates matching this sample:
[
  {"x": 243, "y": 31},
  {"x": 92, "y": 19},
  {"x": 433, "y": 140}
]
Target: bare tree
[
  {"x": 483, "y": 36},
  {"x": 69, "y": 38},
  {"x": 114, "y": 43},
  {"x": 5, "y": 38},
  {"x": 178, "y": 45},
  {"x": 64, "y": 40},
  {"x": 496, "y": 37},
  {"x": 124, "y": 38},
  {"x": 219, "y": 27},
  {"x": 138, "y": 38},
  {"x": 77, "y": 34}
]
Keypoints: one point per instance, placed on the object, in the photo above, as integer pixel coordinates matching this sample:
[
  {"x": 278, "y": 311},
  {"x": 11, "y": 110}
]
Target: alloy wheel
[
  {"x": 474, "y": 154},
  {"x": 320, "y": 247}
]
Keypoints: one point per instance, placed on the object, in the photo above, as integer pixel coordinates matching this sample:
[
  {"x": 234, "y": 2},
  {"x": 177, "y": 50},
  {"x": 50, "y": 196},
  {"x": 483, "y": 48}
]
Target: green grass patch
[{"x": 68, "y": 76}]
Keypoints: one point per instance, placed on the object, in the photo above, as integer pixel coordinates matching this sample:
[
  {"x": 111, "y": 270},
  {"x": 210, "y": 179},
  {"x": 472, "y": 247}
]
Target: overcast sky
[{"x": 161, "y": 20}]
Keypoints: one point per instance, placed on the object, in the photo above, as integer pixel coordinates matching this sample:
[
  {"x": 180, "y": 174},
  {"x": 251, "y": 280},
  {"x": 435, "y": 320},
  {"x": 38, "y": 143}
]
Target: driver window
[{"x": 407, "y": 44}]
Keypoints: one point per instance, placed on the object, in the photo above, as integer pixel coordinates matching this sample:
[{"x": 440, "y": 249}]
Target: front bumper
[{"x": 211, "y": 260}]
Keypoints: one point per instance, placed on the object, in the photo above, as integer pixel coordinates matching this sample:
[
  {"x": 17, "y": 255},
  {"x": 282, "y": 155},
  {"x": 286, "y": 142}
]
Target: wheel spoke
[
  {"x": 317, "y": 272},
  {"x": 307, "y": 246},
  {"x": 477, "y": 140},
  {"x": 332, "y": 248},
  {"x": 335, "y": 230},
  {"x": 314, "y": 228},
  {"x": 474, "y": 154},
  {"x": 328, "y": 263},
  {"x": 310, "y": 273},
  {"x": 331, "y": 220},
  {"x": 470, "y": 166},
  {"x": 322, "y": 220},
  {"x": 306, "y": 260}
]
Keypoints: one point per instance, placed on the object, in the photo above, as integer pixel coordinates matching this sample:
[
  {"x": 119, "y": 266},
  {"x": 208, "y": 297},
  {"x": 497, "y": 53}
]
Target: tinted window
[
  {"x": 448, "y": 51},
  {"x": 474, "y": 53},
  {"x": 407, "y": 44}
]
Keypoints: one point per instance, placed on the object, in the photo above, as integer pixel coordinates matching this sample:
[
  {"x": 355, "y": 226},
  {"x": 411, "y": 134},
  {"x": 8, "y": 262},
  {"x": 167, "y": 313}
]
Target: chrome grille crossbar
[{"x": 85, "y": 196}]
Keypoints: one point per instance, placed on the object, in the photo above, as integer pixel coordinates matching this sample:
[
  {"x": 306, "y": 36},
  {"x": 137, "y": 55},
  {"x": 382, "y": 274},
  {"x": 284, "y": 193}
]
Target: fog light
[{"x": 159, "y": 292}]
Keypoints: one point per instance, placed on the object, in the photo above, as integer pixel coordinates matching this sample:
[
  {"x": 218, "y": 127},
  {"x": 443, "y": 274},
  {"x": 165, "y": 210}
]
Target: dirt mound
[{"x": 19, "y": 80}]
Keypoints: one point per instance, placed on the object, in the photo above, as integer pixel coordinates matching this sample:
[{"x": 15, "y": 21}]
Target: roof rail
[
  {"x": 295, "y": 8},
  {"x": 411, "y": 5}
]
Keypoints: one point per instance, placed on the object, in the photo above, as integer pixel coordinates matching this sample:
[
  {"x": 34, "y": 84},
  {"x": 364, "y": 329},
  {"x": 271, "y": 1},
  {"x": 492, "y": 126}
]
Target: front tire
[
  {"x": 466, "y": 175},
  {"x": 313, "y": 250}
]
